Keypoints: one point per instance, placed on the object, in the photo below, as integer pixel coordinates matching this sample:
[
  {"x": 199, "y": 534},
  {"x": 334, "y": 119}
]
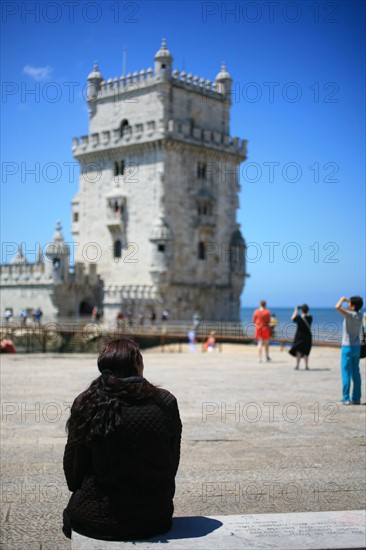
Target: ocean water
[{"x": 326, "y": 325}]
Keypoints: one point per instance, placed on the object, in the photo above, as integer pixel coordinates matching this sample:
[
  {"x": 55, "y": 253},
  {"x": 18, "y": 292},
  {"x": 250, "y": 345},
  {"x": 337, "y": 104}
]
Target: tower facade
[{"x": 158, "y": 194}]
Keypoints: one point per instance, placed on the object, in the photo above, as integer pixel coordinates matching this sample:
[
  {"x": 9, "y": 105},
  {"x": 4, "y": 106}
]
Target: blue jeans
[{"x": 350, "y": 366}]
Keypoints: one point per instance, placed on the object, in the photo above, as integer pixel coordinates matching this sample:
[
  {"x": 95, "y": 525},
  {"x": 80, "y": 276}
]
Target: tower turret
[
  {"x": 19, "y": 257},
  {"x": 94, "y": 83},
  {"x": 163, "y": 62},
  {"x": 160, "y": 237},
  {"x": 223, "y": 82},
  {"x": 57, "y": 257}
]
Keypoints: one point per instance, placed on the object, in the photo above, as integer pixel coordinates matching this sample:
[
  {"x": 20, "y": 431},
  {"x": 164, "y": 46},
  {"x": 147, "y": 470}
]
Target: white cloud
[{"x": 38, "y": 73}]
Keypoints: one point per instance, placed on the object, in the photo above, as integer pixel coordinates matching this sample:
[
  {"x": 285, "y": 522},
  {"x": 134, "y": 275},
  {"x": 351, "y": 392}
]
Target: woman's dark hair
[
  {"x": 305, "y": 308},
  {"x": 101, "y": 409},
  {"x": 121, "y": 357},
  {"x": 357, "y": 302},
  {"x": 263, "y": 303}
]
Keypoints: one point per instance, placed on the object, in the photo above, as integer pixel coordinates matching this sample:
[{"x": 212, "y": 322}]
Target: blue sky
[{"x": 298, "y": 98}]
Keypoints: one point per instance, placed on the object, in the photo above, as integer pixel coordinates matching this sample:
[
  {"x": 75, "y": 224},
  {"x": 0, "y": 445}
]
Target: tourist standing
[
  {"x": 23, "y": 317},
  {"x": 210, "y": 344},
  {"x": 273, "y": 324},
  {"x": 8, "y": 315},
  {"x": 261, "y": 319},
  {"x": 303, "y": 338},
  {"x": 350, "y": 353},
  {"x": 192, "y": 343},
  {"x": 38, "y": 316}
]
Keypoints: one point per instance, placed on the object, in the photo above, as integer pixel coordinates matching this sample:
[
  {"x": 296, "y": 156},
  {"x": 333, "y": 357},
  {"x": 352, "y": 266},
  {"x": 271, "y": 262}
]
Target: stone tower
[{"x": 156, "y": 206}]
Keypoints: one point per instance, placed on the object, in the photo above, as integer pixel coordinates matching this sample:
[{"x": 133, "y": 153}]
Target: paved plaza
[{"x": 257, "y": 438}]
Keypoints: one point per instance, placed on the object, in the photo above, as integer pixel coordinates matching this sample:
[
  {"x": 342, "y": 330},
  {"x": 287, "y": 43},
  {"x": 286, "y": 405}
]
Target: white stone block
[{"x": 300, "y": 531}]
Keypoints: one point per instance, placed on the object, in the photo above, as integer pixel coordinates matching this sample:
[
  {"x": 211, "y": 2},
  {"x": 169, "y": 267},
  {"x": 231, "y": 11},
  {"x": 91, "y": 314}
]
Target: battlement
[
  {"x": 177, "y": 129},
  {"x": 133, "y": 82},
  {"x": 14, "y": 274},
  {"x": 198, "y": 84}
]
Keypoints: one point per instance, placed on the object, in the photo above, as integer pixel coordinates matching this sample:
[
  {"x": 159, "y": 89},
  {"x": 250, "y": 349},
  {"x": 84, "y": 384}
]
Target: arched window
[
  {"x": 116, "y": 169},
  {"x": 122, "y": 169},
  {"x": 122, "y": 128},
  {"x": 117, "y": 249},
  {"x": 201, "y": 251}
]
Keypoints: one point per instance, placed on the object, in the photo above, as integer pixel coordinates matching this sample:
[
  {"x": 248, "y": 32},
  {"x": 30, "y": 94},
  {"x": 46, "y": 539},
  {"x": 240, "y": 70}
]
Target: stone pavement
[{"x": 257, "y": 438}]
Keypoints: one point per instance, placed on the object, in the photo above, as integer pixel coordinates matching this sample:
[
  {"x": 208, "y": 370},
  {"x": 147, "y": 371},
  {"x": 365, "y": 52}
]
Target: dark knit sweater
[{"x": 123, "y": 484}]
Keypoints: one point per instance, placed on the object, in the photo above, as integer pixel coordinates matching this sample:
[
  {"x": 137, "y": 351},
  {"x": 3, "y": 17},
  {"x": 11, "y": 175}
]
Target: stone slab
[{"x": 298, "y": 531}]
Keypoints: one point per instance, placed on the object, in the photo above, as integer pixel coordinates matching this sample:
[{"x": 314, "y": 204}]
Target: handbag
[{"x": 363, "y": 345}]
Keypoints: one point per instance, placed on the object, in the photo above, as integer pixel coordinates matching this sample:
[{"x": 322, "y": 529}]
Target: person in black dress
[
  {"x": 122, "y": 451},
  {"x": 303, "y": 338}
]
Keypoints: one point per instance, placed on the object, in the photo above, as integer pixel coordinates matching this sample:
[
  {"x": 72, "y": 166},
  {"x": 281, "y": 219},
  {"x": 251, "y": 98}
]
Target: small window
[
  {"x": 161, "y": 247},
  {"x": 56, "y": 263},
  {"x": 124, "y": 123},
  {"x": 201, "y": 170},
  {"x": 75, "y": 217},
  {"x": 122, "y": 167},
  {"x": 201, "y": 251},
  {"x": 117, "y": 249},
  {"x": 116, "y": 169}
]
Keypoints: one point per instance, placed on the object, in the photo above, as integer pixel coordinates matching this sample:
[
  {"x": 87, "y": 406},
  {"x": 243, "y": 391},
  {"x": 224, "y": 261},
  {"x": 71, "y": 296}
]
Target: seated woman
[{"x": 122, "y": 452}]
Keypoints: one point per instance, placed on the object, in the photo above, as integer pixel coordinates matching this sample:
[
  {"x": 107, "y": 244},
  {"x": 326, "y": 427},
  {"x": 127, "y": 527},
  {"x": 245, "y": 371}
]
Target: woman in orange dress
[{"x": 262, "y": 319}]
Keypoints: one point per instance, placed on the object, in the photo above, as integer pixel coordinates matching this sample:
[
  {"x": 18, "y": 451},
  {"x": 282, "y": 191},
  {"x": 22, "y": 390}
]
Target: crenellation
[
  {"x": 147, "y": 78},
  {"x": 180, "y": 129},
  {"x": 10, "y": 274},
  {"x": 106, "y": 137}
]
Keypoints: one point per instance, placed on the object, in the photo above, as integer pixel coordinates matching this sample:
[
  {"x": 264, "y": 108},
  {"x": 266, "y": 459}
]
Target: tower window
[
  {"x": 201, "y": 170},
  {"x": 56, "y": 263},
  {"x": 75, "y": 217},
  {"x": 161, "y": 247},
  {"x": 119, "y": 168},
  {"x": 201, "y": 251},
  {"x": 117, "y": 249},
  {"x": 124, "y": 123}
]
